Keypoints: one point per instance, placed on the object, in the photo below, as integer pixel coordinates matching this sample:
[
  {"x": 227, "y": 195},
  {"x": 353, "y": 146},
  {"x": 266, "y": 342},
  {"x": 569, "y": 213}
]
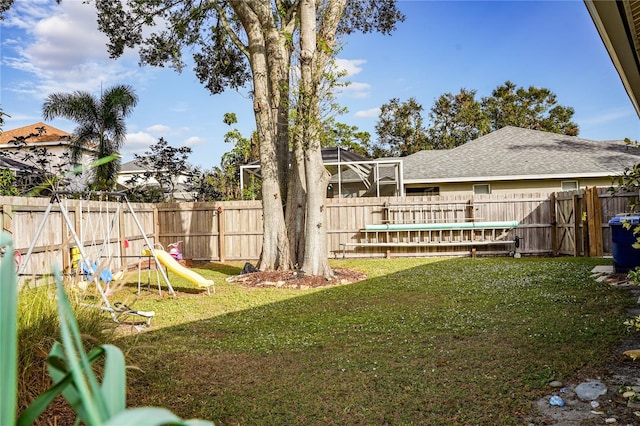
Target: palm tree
[{"x": 101, "y": 126}]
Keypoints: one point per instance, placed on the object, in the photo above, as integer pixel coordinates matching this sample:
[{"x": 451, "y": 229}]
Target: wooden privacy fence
[
  {"x": 108, "y": 231},
  {"x": 565, "y": 223}
]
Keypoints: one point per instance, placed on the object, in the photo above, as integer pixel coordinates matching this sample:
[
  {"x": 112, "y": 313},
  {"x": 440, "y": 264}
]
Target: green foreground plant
[
  {"x": 69, "y": 366},
  {"x": 38, "y": 328},
  {"x": 8, "y": 333}
]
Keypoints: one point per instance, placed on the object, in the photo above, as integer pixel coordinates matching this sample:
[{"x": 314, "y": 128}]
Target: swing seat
[
  {"x": 121, "y": 308},
  {"x": 90, "y": 269}
]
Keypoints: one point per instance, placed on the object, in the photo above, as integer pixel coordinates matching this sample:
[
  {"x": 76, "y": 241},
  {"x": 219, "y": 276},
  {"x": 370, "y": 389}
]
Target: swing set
[{"x": 92, "y": 263}]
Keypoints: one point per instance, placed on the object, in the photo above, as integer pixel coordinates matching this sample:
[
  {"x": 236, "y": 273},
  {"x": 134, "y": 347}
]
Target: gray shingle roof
[
  {"x": 11, "y": 164},
  {"x": 513, "y": 153},
  {"x": 131, "y": 166}
]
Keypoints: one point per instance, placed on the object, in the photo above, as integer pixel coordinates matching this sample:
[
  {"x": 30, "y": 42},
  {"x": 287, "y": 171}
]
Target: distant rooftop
[
  {"x": 516, "y": 152},
  {"x": 51, "y": 134}
]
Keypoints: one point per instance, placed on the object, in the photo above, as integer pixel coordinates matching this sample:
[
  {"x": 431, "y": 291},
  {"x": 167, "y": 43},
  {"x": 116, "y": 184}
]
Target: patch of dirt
[
  {"x": 619, "y": 373},
  {"x": 297, "y": 280}
]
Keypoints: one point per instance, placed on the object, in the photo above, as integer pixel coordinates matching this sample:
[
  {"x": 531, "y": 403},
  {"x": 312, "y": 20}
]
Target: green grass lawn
[{"x": 421, "y": 341}]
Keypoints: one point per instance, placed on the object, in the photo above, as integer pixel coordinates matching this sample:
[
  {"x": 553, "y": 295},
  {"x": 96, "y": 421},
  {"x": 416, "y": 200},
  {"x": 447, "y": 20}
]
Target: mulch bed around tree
[{"x": 294, "y": 279}]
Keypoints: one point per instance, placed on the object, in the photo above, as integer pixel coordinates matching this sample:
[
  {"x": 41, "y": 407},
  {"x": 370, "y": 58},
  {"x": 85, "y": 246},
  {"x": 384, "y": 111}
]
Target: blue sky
[{"x": 441, "y": 47}]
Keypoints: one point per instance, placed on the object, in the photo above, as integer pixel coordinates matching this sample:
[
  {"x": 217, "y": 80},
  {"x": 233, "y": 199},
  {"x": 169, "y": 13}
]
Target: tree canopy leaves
[
  {"x": 456, "y": 119},
  {"x": 400, "y": 129},
  {"x": 163, "y": 165},
  {"x": 532, "y": 108}
]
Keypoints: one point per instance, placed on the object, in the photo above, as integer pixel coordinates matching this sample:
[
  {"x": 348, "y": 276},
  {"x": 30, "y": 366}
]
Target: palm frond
[{"x": 101, "y": 124}]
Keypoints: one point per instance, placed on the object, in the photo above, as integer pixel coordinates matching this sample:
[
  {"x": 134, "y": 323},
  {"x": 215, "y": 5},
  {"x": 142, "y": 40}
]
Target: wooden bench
[{"x": 416, "y": 235}]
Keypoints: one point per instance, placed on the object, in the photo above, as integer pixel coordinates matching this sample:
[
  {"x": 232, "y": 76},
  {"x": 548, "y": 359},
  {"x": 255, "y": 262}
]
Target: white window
[
  {"x": 569, "y": 185},
  {"x": 484, "y": 188}
]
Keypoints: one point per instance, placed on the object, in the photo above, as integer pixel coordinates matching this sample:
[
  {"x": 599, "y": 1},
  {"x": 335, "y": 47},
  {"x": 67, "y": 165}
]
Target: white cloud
[
  {"x": 352, "y": 89},
  {"x": 138, "y": 143},
  {"x": 159, "y": 129},
  {"x": 25, "y": 14},
  {"x": 62, "y": 49},
  {"x": 194, "y": 140},
  {"x": 356, "y": 90},
  {"x": 68, "y": 39},
  {"x": 605, "y": 117},
  {"x": 167, "y": 132},
  {"x": 368, "y": 113},
  {"x": 351, "y": 66}
]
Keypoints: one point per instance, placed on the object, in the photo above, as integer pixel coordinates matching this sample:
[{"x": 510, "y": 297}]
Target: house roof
[
  {"x": 130, "y": 167},
  {"x": 15, "y": 165},
  {"x": 514, "y": 153},
  {"x": 329, "y": 155},
  {"x": 51, "y": 134}
]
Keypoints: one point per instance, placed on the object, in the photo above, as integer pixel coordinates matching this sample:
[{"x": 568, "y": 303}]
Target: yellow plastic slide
[{"x": 167, "y": 260}]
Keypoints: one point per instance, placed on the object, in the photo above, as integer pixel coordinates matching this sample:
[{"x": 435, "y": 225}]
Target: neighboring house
[
  {"x": 509, "y": 160},
  {"x": 25, "y": 173},
  {"x": 352, "y": 175},
  {"x": 56, "y": 143},
  {"x": 129, "y": 171},
  {"x": 513, "y": 159}
]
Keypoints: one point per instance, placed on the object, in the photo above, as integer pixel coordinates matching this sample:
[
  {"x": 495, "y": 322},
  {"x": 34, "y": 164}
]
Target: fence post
[
  {"x": 553, "y": 219},
  {"x": 584, "y": 250},
  {"x": 221, "y": 250},
  {"x": 156, "y": 225},
  {"x": 121, "y": 238},
  {"x": 594, "y": 222},
  {"x": 577, "y": 218},
  {"x": 7, "y": 218},
  {"x": 470, "y": 214}
]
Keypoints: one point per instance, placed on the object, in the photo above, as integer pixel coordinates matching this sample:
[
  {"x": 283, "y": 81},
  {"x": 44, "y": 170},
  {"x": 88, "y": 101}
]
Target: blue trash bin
[{"x": 625, "y": 256}]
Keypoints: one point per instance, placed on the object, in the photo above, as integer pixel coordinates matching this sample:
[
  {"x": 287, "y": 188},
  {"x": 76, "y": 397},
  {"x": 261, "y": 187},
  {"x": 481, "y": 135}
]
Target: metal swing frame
[{"x": 56, "y": 200}]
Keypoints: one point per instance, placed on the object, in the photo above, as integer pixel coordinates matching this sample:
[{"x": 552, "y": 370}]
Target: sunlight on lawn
[{"x": 193, "y": 304}]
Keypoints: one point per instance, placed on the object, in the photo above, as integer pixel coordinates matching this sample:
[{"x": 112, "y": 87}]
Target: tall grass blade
[
  {"x": 114, "y": 384},
  {"x": 99, "y": 162},
  {"x": 152, "y": 416},
  {"x": 63, "y": 384},
  {"x": 8, "y": 333},
  {"x": 58, "y": 370},
  {"x": 77, "y": 361}
]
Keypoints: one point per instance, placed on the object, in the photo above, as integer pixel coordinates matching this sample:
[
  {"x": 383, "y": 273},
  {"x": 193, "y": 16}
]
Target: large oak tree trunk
[
  {"x": 315, "y": 259},
  {"x": 266, "y": 60},
  {"x": 315, "y": 245},
  {"x": 296, "y": 201}
]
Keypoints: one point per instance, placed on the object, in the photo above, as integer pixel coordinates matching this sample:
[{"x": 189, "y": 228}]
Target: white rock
[{"x": 589, "y": 391}]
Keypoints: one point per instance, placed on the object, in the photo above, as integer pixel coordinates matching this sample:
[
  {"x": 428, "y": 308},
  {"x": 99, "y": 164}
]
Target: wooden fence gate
[
  {"x": 567, "y": 209},
  {"x": 581, "y": 220}
]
